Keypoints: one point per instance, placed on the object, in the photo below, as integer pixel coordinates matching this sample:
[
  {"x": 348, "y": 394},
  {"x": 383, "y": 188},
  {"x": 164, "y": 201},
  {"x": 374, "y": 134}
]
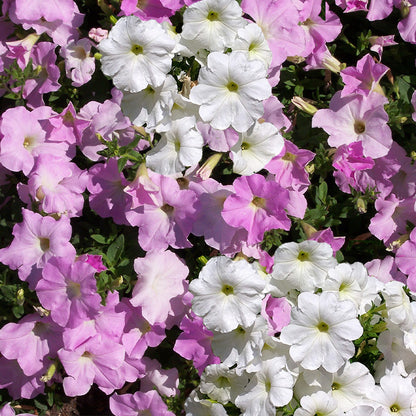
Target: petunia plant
[{"x": 208, "y": 207}]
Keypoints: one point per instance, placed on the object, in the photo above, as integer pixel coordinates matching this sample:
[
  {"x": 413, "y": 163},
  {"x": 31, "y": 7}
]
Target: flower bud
[{"x": 304, "y": 105}]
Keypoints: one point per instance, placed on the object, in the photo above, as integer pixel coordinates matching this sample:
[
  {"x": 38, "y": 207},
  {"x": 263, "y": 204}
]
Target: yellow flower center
[
  {"x": 137, "y": 49},
  {"x": 232, "y": 86},
  {"x": 212, "y": 16},
  {"x": 227, "y": 290},
  {"x": 303, "y": 255},
  {"x": 322, "y": 327}
]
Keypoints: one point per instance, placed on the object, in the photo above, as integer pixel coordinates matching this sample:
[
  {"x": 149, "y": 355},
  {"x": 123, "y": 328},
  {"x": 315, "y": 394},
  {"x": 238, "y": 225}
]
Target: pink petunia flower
[
  {"x": 357, "y": 118},
  {"x": 69, "y": 290},
  {"x": 139, "y": 403},
  {"x": 257, "y": 205},
  {"x": 36, "y": 240},
  {"x": 160, "y": 275},
  {"x": 364, "y": 78},
  {"x": 164, "y": 217},
  {"x": 56, "y": 185}
]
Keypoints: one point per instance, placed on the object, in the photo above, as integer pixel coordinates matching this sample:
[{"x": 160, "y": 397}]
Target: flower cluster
[{"x": 173, "y": 173}]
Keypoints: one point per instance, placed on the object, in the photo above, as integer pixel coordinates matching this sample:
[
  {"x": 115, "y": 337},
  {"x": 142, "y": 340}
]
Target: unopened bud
[
  {"x": 304, "y": 105},
  {"x": 310, "y": 168},
  {"x": 204, "y": 172},
  {"x": 116, "y": 283},
  {"x": 20, "y": 297},
  {"x": 405, "y": 8},
  {"x": 49, "y": 373},
  {"x": 309, "y": 230},
  {"x": 332, "y": 63},
  {"x": 361, "y": 206},
  {"x": 203, "y": 260}
]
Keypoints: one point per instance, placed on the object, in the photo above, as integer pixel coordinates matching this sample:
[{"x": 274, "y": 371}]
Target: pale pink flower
[
  {"x": 69, "y": 290},
  {"x": 36, "y": 240},
  {"x": 357, "y": 118},
  {"x": 257, "y": 205},
  {"x": 161, "y": 276}
]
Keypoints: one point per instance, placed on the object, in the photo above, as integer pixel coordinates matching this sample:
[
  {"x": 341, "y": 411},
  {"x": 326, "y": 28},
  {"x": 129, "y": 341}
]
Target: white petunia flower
[
  {"x": 179, "y": 147},
  {"x": 302, "y": 266},
  {"x": 240, "y": 346},
  {"x": 400, "y": 310},
  {"x": 227, "y": 294},
  {"x": 136, "y": 54},
  {"x": 351, "y": 282},
  {"x": 221, "y": 383},
  {"x": 269, "y": 387},
  {"x": 351, "y": 384},
  {"x": 255, "y": 148},
  {"x": 230, "y": 91},
  {"x": 212, "y": 24},
  {"x": 195, "y": 406},
  {"x": 151, "y": 105},
  {"x": 319, "y": 403},
  {"x": 250, "y": 40},
  {"x": 321, "y": 331},
  {"x": 396, "y": 355},
  {"x": 396, "y": 395}
]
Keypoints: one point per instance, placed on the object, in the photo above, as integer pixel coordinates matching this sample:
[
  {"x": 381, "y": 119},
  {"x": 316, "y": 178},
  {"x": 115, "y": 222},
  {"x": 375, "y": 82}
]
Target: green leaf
[
  {"x": 115, "y": 250},
  {"x": 99, "y": 238},
  {"x": 18, "y": 311},
  {"x": 322, "y": 193},
  {"x": 121, "y": 163}
]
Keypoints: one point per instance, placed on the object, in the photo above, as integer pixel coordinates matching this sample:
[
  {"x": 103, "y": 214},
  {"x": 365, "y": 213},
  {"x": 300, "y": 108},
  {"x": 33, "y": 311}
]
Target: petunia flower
[
  {"x": 257, "y": 205},
  {"x": 230, "y": 91},
  {"x": 227, "y": 294},
  {"x": 212, "y": 24},
  {"x": 136, "y": 54},
  {"x": 321, "y": 331}
]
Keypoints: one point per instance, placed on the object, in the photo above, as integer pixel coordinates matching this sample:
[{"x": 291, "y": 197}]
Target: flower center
[
  {"x": 335, "y": 386},
  {"x": 177, "y": 145},
  {"x": 141, "y": 4},
  {"x": 227, "y": 290},
  {"x": 149, "y": 90},
  {"x": 44, "y": 243},
  {"x": 395, "y": 408},
  {"x": 359, "y": 126},
  {"x": 303, "y": 255},
  {"x": 68, "y": 118},
  {"x": 245, "y": 146},
  {"x": 183, "y": 183},
  {"x": 73, "y": 290},
  {"x": 240, "y": 330},
  {"x": 258, "y": 202},
  {"x": 80, "y": 53},
  {"x": 268, "y": 385},
  {"x": 168, "y": 209},
  {"x": 232, "y": 86},
  {"x": 289, "y": 157},
  {"x": 252, "y": 46},
  {"x": 137, "y": 49},
  {"x": 28, "y": 142},
  {"x": 212, "y": 16},
  {"x": 87, "y": 354},
  {"x": 223, "y": 382},
  {"x": 323, "y": 327}
]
